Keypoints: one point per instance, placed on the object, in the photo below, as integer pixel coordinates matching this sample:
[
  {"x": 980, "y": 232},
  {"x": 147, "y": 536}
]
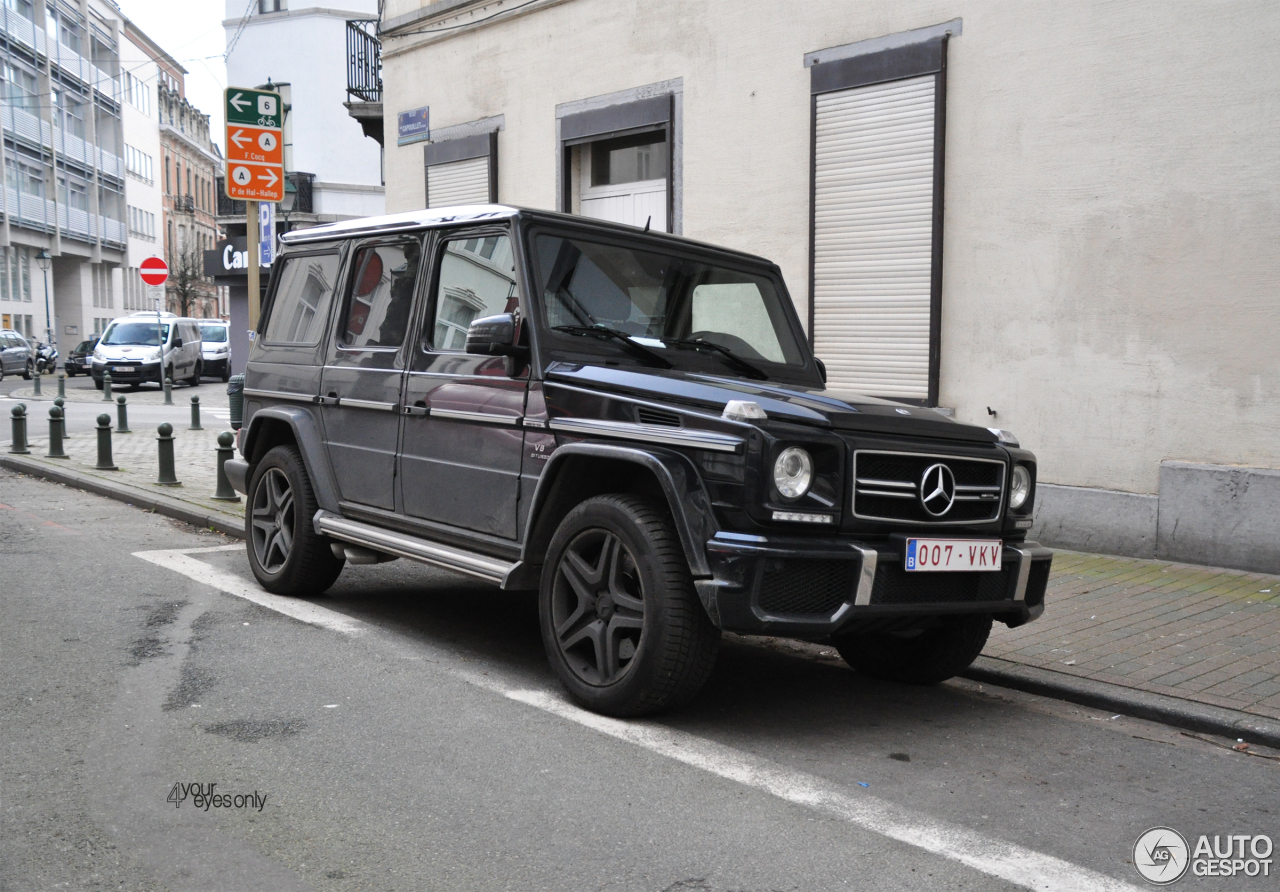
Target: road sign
[
  {"x": 154, "y": 271},
  {"x": 255, "y": 150}
]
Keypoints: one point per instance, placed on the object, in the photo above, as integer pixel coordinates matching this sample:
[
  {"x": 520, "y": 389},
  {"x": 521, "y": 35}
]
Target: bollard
[
  {"x": 106, "y": 387},
  {"x": 18, "y": 446},
  {"x": 62, "y": 385},
  {"x": 168, "y": 391},
  {"x": 36, "y": 383},
  {"x": 104, "y": 445},
  {"x": 225, "y": 450},
  {"x": 55, "y": 434},
  {"x": 62, "y": 404},
  {"x": 195, "y": 414},
  {"x": 167, "y": 476},
  {"x": 122, "y": 417},
  {"x": 235, "y": 400}
]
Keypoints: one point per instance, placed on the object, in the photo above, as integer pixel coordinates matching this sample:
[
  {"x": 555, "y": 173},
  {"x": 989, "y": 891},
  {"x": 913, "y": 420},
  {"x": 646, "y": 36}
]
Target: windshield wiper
[
  {"x": 733, "y": 359},
  {"x": 605, "y": 333}
]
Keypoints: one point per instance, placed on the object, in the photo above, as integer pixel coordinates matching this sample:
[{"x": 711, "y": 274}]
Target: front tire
[
  {"x": 28, "y": 371},
  {"x": 287, "y": 555},
  {"x": 621, "y": 623},
  {"x": 923, "y": 656},
  {"x": 97, "y": 382}
]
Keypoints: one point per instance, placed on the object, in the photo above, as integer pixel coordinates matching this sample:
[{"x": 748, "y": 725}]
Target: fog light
[
  {"x": 801, "y": 517},
  {"x": 1020, "y": 488},
  {"x": 793, "y": 472}
]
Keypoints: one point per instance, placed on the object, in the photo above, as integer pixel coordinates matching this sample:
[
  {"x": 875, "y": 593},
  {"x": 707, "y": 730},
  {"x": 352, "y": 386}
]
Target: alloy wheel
[
  {"x": 598, "y": 607},
  {"x": 273, "y": 520}
]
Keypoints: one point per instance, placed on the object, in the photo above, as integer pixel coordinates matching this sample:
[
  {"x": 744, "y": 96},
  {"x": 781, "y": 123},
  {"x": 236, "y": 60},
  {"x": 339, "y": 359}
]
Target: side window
[
  {"x": 477, "y": 278},
  {"x": 735, "y": 315},
  {"x": 380, "y": 295},
  {"x": 302, "y": 300}
]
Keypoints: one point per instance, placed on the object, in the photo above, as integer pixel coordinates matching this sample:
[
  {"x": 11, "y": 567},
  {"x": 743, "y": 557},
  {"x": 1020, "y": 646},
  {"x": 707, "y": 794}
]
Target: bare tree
[{"x": 187, "y": 285}]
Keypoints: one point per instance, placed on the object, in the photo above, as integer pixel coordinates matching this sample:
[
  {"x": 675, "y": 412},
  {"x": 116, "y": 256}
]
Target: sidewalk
[{"x": 1193, "y": 646}]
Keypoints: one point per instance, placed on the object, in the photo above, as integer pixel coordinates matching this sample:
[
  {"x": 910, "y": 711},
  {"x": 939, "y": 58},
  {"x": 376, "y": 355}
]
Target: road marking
[
  {"x": 180, "y": 561},
  {"x": 1010, "y": 862}
]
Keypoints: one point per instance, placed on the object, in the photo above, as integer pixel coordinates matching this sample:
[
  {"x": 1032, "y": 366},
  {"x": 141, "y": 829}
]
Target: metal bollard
[
  {"x": 104, "y": 444},
  {"x": 195, "y": 414},
  {"x": 225, "y": 450},
  {"x": 18, "y": 445},
  {"x": 167, "y": 476},
  {"x": 168, "y": 391},
  {"x": 106, "y": 387},
  {"x": 62, "y": 385},
  {"x": 55, "y": 434},
  {"x": 62, "y": 404},
  {"x": 235, "y": 400},
  {"x": 122, "y": 417},
  {"x": 36, "y": 383}
]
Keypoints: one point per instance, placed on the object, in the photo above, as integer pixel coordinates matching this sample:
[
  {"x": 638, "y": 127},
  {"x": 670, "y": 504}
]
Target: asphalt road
[{"x": 404, "y": 732}]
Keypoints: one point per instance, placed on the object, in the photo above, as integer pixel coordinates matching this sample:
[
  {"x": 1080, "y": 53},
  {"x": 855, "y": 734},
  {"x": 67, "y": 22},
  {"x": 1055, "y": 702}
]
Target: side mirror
[
  {"x": 177, "y": 342},
  {"x": 495, "y": 336}
]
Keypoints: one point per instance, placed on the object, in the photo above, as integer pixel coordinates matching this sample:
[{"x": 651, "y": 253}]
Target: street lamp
[
  {"x": 43, "y": 260},
  {"x": 286, "y": 204}
]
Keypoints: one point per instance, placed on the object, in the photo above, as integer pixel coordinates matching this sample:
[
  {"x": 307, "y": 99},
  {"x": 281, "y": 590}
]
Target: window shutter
[
  {"x": 458, "y": 182},
  {"x": 873, "y": 236}
]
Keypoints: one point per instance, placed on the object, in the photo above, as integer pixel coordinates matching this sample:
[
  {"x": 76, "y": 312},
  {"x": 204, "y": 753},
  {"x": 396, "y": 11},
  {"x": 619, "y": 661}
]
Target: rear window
[{"x": 302, "y": 300}]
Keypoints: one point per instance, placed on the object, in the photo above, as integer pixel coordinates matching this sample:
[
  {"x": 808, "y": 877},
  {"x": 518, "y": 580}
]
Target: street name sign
[
  {"x": 255, "y": 145},
  {"x": 154, "y": 271}
]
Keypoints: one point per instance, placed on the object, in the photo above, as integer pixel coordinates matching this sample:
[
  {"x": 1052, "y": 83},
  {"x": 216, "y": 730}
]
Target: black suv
[{"x": 632, "y": 424}]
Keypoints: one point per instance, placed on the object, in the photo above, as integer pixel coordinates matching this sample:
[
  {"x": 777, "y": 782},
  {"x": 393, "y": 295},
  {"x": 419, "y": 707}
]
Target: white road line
[
  {"x": 1014, "y": 863},
  {"x": 180, "y": 562}
]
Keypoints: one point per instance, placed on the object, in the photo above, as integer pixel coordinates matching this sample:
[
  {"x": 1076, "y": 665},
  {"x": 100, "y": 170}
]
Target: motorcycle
[{"x": 46, "y": 358}]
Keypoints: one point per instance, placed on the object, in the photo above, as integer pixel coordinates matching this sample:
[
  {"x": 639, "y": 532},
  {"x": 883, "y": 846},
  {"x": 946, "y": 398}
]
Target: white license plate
[
  {"x": 953, "y": 554},
  {"x": 122, "y": 368}
]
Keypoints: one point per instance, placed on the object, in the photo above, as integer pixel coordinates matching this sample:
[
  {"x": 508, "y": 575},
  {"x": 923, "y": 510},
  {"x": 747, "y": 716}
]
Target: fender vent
[{"x": 657, "y": 417}]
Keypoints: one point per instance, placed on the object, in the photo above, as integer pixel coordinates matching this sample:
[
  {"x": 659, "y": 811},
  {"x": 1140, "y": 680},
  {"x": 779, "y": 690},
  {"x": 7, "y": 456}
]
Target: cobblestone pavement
[
  {"x": 1199, "y": 633},
  {"x": 212, "y": 393}
]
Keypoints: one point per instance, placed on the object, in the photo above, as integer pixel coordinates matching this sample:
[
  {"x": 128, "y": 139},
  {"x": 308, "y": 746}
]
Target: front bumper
[
  {"x": 804, "y": 588},
  {"x": 123, "y": 372}
]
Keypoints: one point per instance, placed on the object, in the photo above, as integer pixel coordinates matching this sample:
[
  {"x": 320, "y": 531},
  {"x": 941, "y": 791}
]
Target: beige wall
[{"x": 1111, "y": 273}]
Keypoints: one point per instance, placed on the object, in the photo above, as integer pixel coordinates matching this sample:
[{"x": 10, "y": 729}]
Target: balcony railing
[{"x": 364, "y": 60}]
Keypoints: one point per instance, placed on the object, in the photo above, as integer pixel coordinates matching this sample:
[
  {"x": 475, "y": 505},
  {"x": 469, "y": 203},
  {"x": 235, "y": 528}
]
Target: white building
[{"x": 300, "y": 46}]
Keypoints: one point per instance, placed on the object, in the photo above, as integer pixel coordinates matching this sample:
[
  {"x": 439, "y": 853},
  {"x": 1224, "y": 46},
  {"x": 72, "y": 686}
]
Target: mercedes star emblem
[{"x": 937, "y": 489}]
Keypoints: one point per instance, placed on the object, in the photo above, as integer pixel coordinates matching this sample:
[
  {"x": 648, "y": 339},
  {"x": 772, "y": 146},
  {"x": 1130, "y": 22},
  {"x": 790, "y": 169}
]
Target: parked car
[
  {"x": 216, "y": 345},
  {"x": 80, "y": 359},
  {"x": 141, "y": 348},
  {"x": 632, "y": 424},
  {"x": 17, "y": 356}
]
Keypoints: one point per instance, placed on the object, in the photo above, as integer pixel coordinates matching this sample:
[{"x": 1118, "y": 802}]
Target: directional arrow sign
[{"x": 255, "y": 145}]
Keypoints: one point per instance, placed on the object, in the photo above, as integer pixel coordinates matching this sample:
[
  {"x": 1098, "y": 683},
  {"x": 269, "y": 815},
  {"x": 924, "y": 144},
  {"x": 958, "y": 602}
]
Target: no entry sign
[{"x": 154, "y": 271}]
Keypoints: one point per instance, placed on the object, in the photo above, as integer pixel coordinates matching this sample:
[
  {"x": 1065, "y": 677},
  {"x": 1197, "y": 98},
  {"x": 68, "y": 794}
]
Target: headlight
[
  {"x": 97, "y": 354},
  {"x": 1020, "y": 489},
  {"x": 793, "y": 472},
  {"x": 154, "y": 354}
]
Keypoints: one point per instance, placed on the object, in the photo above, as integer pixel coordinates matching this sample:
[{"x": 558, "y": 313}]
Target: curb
[
  {"x": 175, "y": 508},
  {"x": 1167, "y": 710}
]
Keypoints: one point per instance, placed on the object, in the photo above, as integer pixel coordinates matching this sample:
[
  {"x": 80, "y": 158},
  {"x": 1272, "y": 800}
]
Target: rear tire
[
  {"x": 194, "y": 380},
  {"x": 226, "y": 372},
  {"x": 923, "y": 657},
  {"x": 287, "y": 555},
  {"x": 621, "y": 623},
  {"x": 28, "y": 371}
]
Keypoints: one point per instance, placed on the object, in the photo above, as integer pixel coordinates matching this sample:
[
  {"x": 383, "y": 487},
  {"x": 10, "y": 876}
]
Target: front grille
[
  {"x": 895, "y": 585},
  {"x": 807, "y": 588},
  {"x": 887, "y": 487}
]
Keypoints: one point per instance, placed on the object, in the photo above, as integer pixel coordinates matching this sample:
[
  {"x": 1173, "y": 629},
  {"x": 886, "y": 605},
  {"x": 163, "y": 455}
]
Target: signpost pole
[{"x": 251, "y": 231}]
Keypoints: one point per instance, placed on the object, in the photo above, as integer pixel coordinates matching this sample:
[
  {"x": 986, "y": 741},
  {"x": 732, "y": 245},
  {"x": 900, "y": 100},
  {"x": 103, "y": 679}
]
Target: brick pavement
[{"x": 1198, "y": 633}]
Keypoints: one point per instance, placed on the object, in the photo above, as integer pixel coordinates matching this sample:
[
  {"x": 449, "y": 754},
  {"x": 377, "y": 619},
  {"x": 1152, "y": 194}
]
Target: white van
[{"x": 143, "y": 347}]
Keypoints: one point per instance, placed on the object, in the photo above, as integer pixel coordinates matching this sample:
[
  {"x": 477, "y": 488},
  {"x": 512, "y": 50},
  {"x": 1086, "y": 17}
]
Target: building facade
[
  {"x": 63, "y": 237},
  {"x": 1058, "y": 221}
]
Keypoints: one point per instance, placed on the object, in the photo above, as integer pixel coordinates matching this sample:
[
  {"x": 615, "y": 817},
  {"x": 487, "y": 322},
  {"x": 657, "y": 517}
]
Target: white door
[
  {"x": 873, "y": 236},
  {"x": 630, "y": 203}
]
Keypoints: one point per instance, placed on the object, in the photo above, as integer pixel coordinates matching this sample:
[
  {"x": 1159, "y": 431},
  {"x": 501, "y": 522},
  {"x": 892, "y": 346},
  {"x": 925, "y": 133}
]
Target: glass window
[
  {"x": 477, "y": 279},
  {"x": 213, "y": 334},
  {"x": 629, "y": 159},
  {"x": 380, "y": 295},
  {"x": 302, "y": 299},
  {"x": 136, "y": 333}
]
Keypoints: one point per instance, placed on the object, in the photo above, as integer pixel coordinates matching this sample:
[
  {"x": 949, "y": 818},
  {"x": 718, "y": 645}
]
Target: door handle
[{"x": 418, "y": 408}]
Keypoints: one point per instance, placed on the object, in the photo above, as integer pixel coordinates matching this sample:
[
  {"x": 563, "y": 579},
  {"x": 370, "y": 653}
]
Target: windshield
[
  {"x": 84, "y": 347},
  {"x": 142, "y": 334},
  {"x": 659, "y": 299},
  {"x": 213, "y": 334}
]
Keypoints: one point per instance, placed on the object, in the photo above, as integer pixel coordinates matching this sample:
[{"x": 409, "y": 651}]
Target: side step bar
[{"x": 480, "y": 566}]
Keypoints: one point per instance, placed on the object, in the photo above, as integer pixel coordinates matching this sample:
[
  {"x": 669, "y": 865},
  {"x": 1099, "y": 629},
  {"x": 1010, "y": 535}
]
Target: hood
[
  {"x": 830, "y": 408},
  {"x": 125, "y": 351}
]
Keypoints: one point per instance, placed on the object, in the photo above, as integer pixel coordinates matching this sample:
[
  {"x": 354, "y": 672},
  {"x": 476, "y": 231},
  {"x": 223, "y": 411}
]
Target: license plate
[
  {"x": 953, "y": 554},
  {"x": 122, "y": 368}
]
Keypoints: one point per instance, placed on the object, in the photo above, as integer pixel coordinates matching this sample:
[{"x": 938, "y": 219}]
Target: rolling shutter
[
  {"x": 873, "y": 251},
  {"x": 458, "y": 182}
]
